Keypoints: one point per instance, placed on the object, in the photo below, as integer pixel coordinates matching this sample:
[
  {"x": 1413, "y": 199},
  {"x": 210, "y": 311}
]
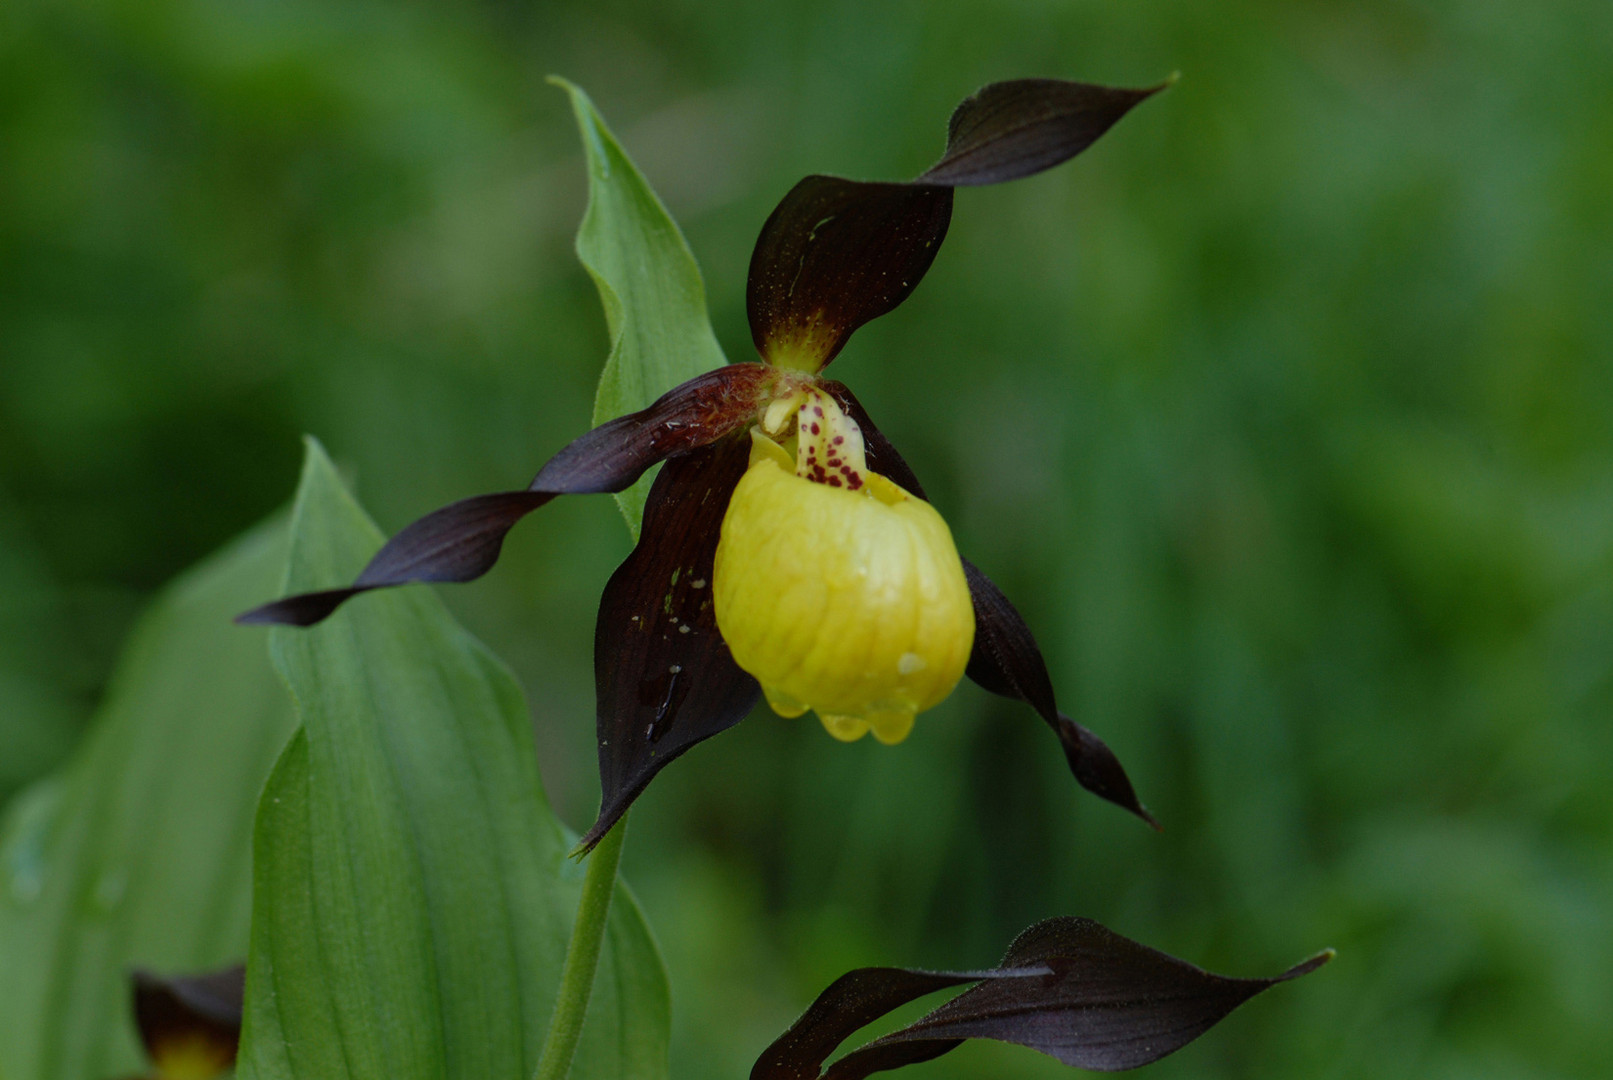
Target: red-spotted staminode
[{"x": 786, "y": 547}]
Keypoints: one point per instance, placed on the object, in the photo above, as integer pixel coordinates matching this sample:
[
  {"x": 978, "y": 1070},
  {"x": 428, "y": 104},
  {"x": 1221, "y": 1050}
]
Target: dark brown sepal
[
  {"x": 1006, "y": 660},
  {"x": 462, "y": 541},
  {"x": 835, "y": 254},
  {"x": 1009, "y": 130},
  {"x": 690, "y": 415},
  {"x": 663, "y": 675},
  {"x": 1068, "y": 987},
  {"x": 459, "y": 542},
  {"x": 197, "y": 1016}
]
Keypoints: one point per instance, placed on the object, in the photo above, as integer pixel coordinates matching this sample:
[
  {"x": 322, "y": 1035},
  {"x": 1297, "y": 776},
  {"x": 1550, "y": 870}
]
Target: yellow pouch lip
[{"x": 876, "y": 690}]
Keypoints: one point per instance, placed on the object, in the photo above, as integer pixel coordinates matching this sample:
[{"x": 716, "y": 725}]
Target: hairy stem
[{"x": 582, "y": 956}]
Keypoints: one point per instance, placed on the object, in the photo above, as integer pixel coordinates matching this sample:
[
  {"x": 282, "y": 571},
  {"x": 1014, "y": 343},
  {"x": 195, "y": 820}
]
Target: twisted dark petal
[
  {"x": 835, "y": 254},
  {"x": 462, "y": 541},
  {"x": 1068, "y": 987},
  {"x": 663, "y": 675},
  {"x": 690, "y": 415},
  {"x": 1009, "y": 130},
  {"x": 459, "y": 542},
  {"x": 202, "y": 1009},
  {"x": 1006, "y": 659}
]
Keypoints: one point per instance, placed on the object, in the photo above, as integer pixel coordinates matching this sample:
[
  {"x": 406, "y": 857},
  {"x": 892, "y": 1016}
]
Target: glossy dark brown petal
[
  {"x": 835, "y": 253},
  {"x": 1068, "y": 987},
  {"x": 1006, "y": 659},
  {"x": 1009, "y": 130},
  {"x": 663, "y": 675},
  {"x": 198, "y": 1015},
  {"x": 462, "y": 541}
]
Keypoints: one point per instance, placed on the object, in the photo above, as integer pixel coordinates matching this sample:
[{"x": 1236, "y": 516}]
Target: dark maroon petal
[
  {"x": 459, "y": 542},
  {"x": 190, "y": 1011},
  {"x": 1010, "y": 130},
  {"x": 1006, "y": 660},
  {"x": 835, "y": 254},
  {"x": 691, "y": 415},
  {"x": 663, "y": 675},
  {"x": 1068, "y": 987},
  {"x": 462, "y": 541}
]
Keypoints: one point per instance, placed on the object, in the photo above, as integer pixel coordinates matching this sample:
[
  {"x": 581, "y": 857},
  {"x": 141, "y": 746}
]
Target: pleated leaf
[
  {"x": 412, "y": 896},
  {"x": 138, "y": 854}
]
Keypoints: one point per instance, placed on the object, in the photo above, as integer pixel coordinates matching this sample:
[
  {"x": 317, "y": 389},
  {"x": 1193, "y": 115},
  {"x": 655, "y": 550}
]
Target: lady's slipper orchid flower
[
  {"x": 835, "y": 588},
  {"x": 786, "y": 547}
]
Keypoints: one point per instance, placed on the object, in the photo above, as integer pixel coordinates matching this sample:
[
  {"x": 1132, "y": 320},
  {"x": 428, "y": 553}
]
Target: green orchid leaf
[
  {"x": 412, "y": 895},
  {"x": 649, "y": 284},
  {"x": 137, "y": 854}
]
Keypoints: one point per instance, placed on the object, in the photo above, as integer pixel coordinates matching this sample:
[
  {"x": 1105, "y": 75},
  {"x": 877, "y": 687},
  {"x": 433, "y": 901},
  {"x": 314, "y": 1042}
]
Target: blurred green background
[{"x": 1285, "y": 415}]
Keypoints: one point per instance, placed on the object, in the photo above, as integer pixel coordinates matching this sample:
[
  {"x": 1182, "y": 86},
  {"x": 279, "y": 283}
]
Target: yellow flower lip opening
[{"x": 834, "y": 587}]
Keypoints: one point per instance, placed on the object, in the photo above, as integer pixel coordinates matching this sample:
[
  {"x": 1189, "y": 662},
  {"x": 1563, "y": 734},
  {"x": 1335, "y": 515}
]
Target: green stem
[{"x": 582, "y": 956}]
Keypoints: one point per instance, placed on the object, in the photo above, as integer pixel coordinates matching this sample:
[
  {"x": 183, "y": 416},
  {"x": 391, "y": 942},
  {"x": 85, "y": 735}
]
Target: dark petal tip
[
  {"x": 1009, "y": 130},
  {"x": 304, "y": 609},
  {"x": 1097, "y": 769},
  {"x": 1305, "y": 967}
]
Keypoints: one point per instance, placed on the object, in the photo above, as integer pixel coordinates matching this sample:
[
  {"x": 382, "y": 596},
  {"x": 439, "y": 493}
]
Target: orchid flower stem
[{"x": 582, "y": 956}]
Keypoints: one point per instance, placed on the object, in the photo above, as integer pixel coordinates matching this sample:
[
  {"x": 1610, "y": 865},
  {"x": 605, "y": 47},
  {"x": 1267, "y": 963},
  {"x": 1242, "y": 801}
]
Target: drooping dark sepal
[
  {"x": 462, "y": 541},
  {"x": 197, "y": 1016},
  {"x": 837, "y": 253},
  {"x": 1006, "y": 659},
  {"x": 663, "y": 675},
  {"x": 1009, "y": 130},
  {"x": 1067, "y": 987}
]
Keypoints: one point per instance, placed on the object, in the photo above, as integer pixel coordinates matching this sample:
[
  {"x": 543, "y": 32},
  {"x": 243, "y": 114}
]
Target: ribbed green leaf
[
  {"x": 649, "y": 283},
  {"x": 412, "y": 895},
  {"x": 138, "y": 853}
]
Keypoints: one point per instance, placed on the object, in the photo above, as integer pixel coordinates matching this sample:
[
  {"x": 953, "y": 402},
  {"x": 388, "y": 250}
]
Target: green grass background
[{"x": 1285, "y": 415}]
